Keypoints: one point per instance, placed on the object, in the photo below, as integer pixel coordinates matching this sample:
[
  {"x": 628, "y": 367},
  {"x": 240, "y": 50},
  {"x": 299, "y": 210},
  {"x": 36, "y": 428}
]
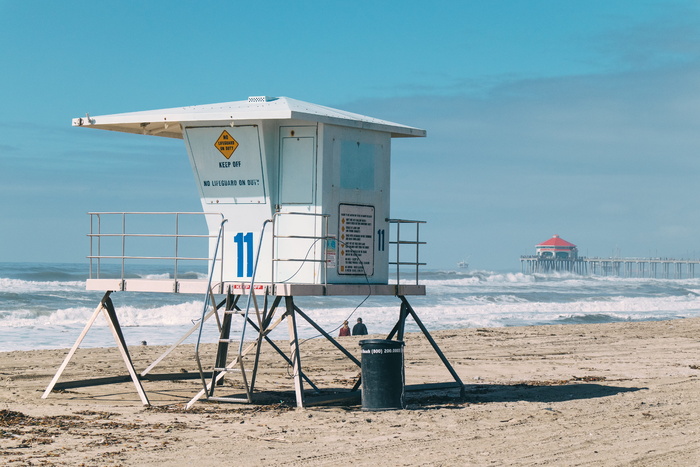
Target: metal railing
[
  {"x": 405, "y": 245},
  {"x": 413, "y": 243},
  {"x": 323, "y": 237},
  {"x": 122, "y": 232}
]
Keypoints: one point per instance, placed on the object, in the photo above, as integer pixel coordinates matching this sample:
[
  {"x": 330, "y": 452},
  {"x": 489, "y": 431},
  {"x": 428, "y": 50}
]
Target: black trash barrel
[{"x": 382, "y": 374}]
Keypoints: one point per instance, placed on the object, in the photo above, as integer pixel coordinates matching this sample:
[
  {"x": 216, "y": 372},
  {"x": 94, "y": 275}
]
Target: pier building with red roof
[{"x": 557, "y": 248}]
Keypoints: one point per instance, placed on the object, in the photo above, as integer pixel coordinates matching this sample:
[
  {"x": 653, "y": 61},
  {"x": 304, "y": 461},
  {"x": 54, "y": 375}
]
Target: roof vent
[{"x": 256, "y": 99}]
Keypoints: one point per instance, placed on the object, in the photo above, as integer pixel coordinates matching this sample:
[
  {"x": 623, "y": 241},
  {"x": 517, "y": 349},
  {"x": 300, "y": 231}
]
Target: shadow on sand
[{"x": 480, "y": 393}]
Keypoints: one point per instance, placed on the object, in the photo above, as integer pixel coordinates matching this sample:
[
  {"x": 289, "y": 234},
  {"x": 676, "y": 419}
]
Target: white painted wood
[{"x": 87, "y": 327}]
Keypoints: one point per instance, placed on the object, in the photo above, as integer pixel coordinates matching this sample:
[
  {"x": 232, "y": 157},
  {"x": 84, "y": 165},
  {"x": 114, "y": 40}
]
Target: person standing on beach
[
  {"x": 359, "y": 329},
  {"x": 344, "y": 330}
]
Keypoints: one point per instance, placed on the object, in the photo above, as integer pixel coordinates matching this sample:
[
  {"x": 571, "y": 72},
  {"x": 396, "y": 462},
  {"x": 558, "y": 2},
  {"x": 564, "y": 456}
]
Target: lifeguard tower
[{"x": 296, "y": 200}]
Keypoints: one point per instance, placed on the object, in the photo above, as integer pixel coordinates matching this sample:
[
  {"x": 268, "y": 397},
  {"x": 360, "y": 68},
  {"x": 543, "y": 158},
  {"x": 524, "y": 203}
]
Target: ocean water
[{"x": 45, "y": 305}]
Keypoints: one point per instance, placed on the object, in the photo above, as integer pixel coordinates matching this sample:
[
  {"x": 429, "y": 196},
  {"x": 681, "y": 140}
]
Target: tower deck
[{"x": 194, "y": 286}]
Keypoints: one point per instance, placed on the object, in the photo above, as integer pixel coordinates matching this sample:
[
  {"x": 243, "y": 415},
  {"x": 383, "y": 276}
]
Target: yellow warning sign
[{"x": 226, "y": 144}]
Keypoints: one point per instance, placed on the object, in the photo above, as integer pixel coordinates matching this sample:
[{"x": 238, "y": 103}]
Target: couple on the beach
[{"x": 358, "y": 329}]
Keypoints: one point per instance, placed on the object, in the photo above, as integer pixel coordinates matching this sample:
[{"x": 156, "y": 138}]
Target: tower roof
[
  {"x": 557, "y": 241},
  {"x": 167, "y": 122}
]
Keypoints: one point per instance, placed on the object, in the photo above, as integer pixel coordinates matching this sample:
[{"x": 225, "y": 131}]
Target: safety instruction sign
[{"x": 356, "y": 239}]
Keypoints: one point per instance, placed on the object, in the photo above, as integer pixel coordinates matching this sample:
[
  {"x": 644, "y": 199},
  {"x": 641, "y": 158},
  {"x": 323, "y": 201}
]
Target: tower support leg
[
  {"x": 294, "y": 350},
  {"x": 111, "y": 315},
  {"x": 68, "y": 358},
  {"x": 407, "y": 308},
  {"x": 107, "y": 308}
]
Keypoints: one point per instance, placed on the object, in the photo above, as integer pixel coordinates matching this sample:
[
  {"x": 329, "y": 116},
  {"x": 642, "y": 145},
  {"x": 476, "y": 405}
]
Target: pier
[
  {"x": 558, "y": 255},
  {"x": 659, "y": 268}
]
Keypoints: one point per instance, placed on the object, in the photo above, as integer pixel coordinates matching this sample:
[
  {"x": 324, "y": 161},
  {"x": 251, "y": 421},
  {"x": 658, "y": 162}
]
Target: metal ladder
[
  {"x": 231, "y": 309},
  {"x": 224, "y": 342},
  {"x": 262, "y": 323}
]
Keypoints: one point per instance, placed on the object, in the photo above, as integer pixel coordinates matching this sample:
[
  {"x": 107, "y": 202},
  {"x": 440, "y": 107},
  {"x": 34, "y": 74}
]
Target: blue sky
[{"x": 543, "y": 117}]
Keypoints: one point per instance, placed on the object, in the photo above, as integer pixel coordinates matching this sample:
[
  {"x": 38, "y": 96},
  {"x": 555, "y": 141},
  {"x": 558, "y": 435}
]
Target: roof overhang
[{"x": 170, "y": 122}]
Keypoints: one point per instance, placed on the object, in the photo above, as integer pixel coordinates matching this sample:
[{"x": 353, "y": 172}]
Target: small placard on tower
[{"x": 226, "y": 144}]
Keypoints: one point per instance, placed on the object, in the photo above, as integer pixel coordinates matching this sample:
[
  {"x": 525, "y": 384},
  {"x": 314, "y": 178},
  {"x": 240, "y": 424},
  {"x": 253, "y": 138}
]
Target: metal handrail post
[
  {"x": 91, "y": 250},
  {"x": 204, "y": 309},
  {"x": 417, "y": 249},
  {"x": 99, "y": 245},
  {"x": 273, "y": 263},
  {"x": 398, "y": 253},
  {"x": 177, "y": 242},
  {"x": 123, "y": 242},
  {"x": 324, "y": 268},
  {"x": 221, "y": 261}
]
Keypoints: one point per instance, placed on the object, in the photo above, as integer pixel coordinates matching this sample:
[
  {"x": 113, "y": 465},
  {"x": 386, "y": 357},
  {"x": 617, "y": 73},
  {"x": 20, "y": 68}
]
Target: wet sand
[{"x": 602, "y": 394}]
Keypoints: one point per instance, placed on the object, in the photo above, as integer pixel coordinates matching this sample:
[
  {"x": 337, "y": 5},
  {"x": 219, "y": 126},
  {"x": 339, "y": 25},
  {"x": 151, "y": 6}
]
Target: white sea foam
[
  {"x": 165, "y": 275},
  {"x": 128, "y": 315},
  {"x": 51, "y": 314},
  {"x": 454, "y": 308},
  {"x": 23, "y": 286}
]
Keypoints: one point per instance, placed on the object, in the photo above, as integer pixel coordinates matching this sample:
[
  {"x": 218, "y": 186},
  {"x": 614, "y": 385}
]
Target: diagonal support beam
[
  {"x": 328, "y": 336},
  {"x": 445, "y": 362},
  {"x": 105, "y": 307},
  {"x": 181, "y": 340},
  {"x": 68, "y": 358},
  {"x": 289, "y": 362},
  {"x": 113, "y": 322}
]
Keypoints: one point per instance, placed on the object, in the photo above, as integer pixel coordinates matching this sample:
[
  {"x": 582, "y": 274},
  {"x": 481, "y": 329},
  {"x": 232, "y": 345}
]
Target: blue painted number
[{"x": 244, "y": 255}]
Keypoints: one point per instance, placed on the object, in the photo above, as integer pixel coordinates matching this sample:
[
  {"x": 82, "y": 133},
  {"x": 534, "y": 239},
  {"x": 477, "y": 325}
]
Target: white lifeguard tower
[{"x": 296, "y": 200}]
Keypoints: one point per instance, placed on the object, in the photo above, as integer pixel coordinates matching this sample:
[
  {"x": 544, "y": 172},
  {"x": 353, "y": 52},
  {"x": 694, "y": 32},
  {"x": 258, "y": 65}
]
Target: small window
[{"x": 357, "y": 162}]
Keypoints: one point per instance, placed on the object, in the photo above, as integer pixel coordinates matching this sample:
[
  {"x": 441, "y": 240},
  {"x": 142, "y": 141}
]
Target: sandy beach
[{"x": 602, "y": 394}]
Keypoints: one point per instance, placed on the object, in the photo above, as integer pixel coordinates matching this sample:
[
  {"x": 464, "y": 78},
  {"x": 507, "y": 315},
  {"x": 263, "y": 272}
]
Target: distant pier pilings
[{"x": 662, "y": 268}]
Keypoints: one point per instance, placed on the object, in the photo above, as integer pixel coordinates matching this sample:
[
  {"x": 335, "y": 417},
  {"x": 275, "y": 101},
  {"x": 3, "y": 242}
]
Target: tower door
[
  {"x": 298, "y": 247},
  {"x": 297, "y": 175}
]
